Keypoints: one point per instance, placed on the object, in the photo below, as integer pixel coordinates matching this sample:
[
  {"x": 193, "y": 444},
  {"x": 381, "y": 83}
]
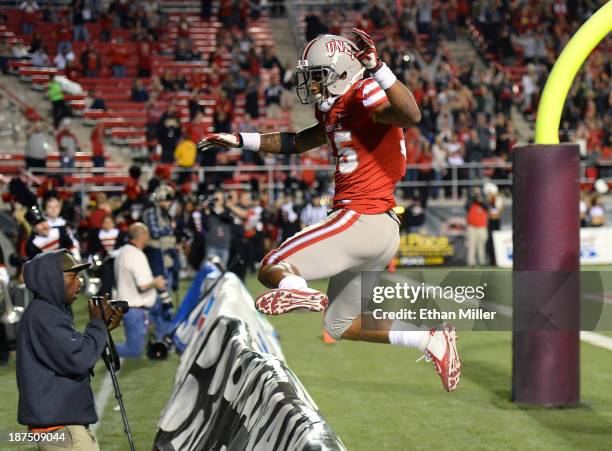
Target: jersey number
[{"x": 347, "y": 156}]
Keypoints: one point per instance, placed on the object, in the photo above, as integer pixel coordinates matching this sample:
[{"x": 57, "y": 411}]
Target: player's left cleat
[
  {"x": 442, "y": 350},
  {"x": 279, "y": 301}
]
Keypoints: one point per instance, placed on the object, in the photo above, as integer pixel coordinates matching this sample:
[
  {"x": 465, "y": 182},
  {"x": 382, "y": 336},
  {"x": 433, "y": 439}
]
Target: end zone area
[{"x": 375, "y": 397}]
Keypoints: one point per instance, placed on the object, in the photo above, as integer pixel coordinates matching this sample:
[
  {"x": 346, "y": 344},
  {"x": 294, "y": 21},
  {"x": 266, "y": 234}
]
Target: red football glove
[
  {"x": 221, "y": 140},
  {"x": 366, "y": 50}
]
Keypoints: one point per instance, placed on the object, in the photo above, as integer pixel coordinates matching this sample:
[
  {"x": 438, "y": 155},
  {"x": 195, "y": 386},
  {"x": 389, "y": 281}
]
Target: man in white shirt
[{"x": 136, "y": 284}]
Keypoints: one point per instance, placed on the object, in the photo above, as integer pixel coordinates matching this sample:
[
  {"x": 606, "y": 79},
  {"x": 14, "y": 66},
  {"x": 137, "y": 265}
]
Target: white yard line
[
  {"x": 104, "y": 394},
  {"x": 592, "y": 338},
  {"x": 596, "y": 339}
]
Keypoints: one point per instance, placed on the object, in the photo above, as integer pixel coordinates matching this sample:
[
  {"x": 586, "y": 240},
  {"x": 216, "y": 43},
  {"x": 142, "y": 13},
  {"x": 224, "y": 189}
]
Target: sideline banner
[
  {"x": 233, "y": 389},
  {"x": 431, "y": 249},
  {"x": 595, "y": 246}
]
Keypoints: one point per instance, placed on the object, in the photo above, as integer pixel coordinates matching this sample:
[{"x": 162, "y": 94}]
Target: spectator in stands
[
  {"x": 183, "y": 27},
  {"x": 55, "y": 95},
  {"x": 19, "y": 50},
  {"x": 314, "y": 211},
  {"x": 597, "y": 212},
  {"x": 106, "y": 27},
  {"x": 162, "y": 254},
  {"x": 43, "y": 237},
  {"x": 106, "y": 242},
  {"x": 97, "y": 145},
  {"x": 252, "y": 99},
  {"x": 80, "y": 33},
  {"x": 90, "y": 61},
  {"x": 379, "y": 16},
  {"x": 424, "y": 17},
  {"x": 64, "y": 35},
  {"x": 144, "y": 50},
  {"x": 476, "y": 233},
  {"x": 64, "y": 58},
  {"x": 169, "y": 133},
  {"x": 314, "y": 26},
  {"x": 529, "y": 81},
  {"x": 269, "y": 60},
  {"x": 28, "y": 15},
  {"x": 185, "y": 157},
  {"x": 169, "y": 81},
  {"x": 118, "y": 56},
  {"x": 139, "y": 91},
  {"x": 288, "y": 220},
  {"x": 425, "y": 172},
  {"x": 67, "y": 144},
  {"x": 273, "y": 94},
  {"x": 37, "y": 42},
  {"x": 37, "y": 144},
  {"x": 5, "y": 55},
  {"x": 136, "y": 284},
  {"x": 40, "y": 58},
  {"x": 185, "y": 52},
  {"x": 193, "y": 104},
  {"x": 438, "y": 164},
  {"x": 97, "y": 102},
  {"x": 495, "y": 202},
  {"x": 222, "y": 122},
  {"x": 100, "y": 209},
  {"x": 216, "y": 224}
]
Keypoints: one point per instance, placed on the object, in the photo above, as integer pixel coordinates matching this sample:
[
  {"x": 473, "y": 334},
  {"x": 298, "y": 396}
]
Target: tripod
[{"x": 113, "y": 364}]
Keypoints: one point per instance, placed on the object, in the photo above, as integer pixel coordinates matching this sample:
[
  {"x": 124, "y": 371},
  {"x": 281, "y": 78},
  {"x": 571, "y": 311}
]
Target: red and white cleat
[
  {"x": 442, "y": 350},
  {"x": 279, "y": 301}
]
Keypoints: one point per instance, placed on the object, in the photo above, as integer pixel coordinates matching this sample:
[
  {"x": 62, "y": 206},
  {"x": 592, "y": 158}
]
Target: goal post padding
[{"x": 546, "y": 264}]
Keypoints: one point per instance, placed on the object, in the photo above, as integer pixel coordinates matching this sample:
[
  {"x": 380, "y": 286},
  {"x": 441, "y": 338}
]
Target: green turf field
[{"x": 377, "y": 397}]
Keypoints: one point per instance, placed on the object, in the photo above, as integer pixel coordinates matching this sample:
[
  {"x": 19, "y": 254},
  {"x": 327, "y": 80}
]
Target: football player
[{"x": 360, "y": 108}]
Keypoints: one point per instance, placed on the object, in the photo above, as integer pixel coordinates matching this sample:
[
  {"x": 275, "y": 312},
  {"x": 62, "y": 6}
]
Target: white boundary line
[{"x": 101, "y": 399}]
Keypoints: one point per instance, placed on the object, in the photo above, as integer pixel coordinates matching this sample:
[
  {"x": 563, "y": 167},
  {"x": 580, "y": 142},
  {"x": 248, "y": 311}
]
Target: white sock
[
  {"x": 399, "y": 336},
  {"x": 292, "y": 282}
]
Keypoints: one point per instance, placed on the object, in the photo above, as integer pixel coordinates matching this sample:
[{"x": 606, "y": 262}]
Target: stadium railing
[{"x": 271, "y": 177}]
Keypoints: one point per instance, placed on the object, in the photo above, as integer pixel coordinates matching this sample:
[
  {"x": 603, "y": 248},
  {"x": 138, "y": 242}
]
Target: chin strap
[{"x": 327, "y": 104}]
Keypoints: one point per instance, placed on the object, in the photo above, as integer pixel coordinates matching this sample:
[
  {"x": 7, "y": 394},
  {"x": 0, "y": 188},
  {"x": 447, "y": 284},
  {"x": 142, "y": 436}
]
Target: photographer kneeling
[{"x": 54, "y": 360}]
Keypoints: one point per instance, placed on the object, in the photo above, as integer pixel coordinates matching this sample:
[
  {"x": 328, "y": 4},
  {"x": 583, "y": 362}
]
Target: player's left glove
[{"x": 366, "y": 51}]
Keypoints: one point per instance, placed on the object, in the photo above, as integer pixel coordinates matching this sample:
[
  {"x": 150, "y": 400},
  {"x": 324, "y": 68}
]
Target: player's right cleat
[
  {"x": 328, "y": 338},
  {"x": 442, "y": 350},
  {"x": 279, "y": 301}
]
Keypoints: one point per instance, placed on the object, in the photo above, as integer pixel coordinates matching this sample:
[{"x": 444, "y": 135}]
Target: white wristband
[
  {"x": 251, "y": 141},
  {"x": 384, "y": 77}
]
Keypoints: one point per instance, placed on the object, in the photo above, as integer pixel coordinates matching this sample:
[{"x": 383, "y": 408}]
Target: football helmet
[{"x": 329, "y": 60}]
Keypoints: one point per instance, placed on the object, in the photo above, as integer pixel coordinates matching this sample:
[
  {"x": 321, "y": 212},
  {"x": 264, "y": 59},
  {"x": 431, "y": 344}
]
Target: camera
[{"x": 119, "y": 304}]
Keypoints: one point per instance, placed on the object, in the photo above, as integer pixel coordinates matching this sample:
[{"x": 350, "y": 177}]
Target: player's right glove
[
  {"x": 366, "y": 51},
  {"x": 221, "y": 140}
]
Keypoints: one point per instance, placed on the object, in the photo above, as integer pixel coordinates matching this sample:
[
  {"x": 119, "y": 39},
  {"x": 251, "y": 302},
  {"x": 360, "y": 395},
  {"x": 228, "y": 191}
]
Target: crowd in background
[
  {"x": 234, "y": 225},
  {"x": 146, "y": 24},
  {"x": 532, "y": 35},
  {"x": 466, "y": 109}
]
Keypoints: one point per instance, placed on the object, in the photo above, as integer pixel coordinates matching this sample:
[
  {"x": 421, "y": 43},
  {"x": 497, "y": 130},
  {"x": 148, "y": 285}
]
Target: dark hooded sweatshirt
[{"x": 54, "y": 359}]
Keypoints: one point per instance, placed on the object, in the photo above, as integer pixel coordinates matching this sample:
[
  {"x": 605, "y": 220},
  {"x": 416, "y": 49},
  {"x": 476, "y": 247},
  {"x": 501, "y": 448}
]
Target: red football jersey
[{"x": 370, "y": 157}]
